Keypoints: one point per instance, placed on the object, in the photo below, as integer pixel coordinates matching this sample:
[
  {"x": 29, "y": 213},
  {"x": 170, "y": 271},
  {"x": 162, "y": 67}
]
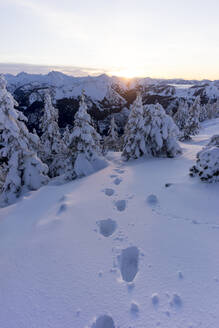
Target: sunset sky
[{"x": 156, "y": 38}]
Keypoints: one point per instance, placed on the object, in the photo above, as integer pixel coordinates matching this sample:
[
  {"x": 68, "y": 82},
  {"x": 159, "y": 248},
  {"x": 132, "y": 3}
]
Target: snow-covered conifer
[
  {"x": 84, "y": 144},
  {"x": 160, "y": 132},
  {"x": 53, "y": 150},
  {"x": 150, "y": 132},
  {"x": 21, "y": 169},
  {"x": 66, "y": 136},
  {"x": 207, "y": 163},
  {"x": 214, "y": 109},
  {"x": 194, "y": 116},
  {"x": 182, "y": 120},
  {"x": 134, "y": 144},
  {"x": 204, "y": 113},
  {"x": 112, "y": 141}
]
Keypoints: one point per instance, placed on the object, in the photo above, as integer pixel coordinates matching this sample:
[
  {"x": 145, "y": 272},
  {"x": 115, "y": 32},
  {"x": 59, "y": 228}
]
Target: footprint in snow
[
  {"x": 117, "y": 181},
  {"x": 113, "y": 176},
  {"x": 109, "y": 191},
  {"x": 107, "y": 227},
  {"x": 152, "y": 200},
  {"x": 62, "y": 208},
  {"x": 119, "y": 171},
  {"x": 128, "y": 261},
  {"x": 134, "y": 308},
  {"x": 62, "y": 199},
  {"x": 103, "y": 321},
  {"x": 155, "y": 299},
  {"x": 176, "y": 301},
  {"x": 180, "y": 275},
  {"x": 120, "y": 205}
]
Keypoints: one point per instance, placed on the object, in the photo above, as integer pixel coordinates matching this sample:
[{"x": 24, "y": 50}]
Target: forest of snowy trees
[{"x": 29, "y": 161}]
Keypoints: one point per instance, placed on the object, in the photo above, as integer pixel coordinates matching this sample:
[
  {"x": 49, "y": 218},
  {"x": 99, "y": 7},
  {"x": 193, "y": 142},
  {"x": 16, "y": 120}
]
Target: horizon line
[{"x": 14, "y": 68}]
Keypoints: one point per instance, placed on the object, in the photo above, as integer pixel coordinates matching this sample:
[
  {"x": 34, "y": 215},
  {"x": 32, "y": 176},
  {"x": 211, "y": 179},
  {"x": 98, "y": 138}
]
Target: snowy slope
[
  {"x": 154, "y": 264},
  {"x": 64, "y": 85},
  {"x": 104, "y": 86}
]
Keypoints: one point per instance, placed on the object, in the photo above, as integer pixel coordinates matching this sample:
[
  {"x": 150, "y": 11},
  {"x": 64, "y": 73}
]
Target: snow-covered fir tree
[
  {"x": 204, "y": 113},
  {"x": 21, "y": 169},
  {"x": 112, "y": 140},
  {"x": 150, "y": 132},
  {"x": 160, "y": 132},
  {"x": 84, "y": 144},
  {"x": 53, "y": 150},
  {"x": 66, "y": 136},
  {"x": 207, "y": 163},
  {"x": 209, "y": 109},
  {"x": 182, "y": 120},
  {"x": 214, "y": 109},
  {"x": 134, "y": 145},
  {"x": 194, "y": 116}
]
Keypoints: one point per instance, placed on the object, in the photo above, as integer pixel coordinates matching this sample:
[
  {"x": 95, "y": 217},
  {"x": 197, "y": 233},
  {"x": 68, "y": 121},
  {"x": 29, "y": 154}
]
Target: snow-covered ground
[{"x": 134, "y": 245}]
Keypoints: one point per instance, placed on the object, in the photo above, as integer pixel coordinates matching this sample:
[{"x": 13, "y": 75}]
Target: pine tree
[
  {"x": 84, "y": 144},
  {"x": 21, "y": 169},
  {"x": 134, "y": 144},
  {"x": 217, "y": 108},
  {"x": 150, "y": 132},
  {"x": 207, "y": 162},
  {"x": 112, "y": 141},
  {"x": 182, "y": 120},
  {"x": 204, "y": 113},
  {"x": 214, "y": 109},
  {"x": 53, "y": 150},
  {"x": 194, "y": 117},
  {"x": 161, "y": 132},
  {"x": 66, "y": 136}
]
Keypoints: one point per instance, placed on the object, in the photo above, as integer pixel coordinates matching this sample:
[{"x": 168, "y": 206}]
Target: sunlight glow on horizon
[{"x": 143, "y": 39}]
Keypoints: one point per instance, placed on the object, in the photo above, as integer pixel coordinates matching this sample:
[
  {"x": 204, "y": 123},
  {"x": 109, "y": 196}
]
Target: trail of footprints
[{"x": 128, "y": 258}]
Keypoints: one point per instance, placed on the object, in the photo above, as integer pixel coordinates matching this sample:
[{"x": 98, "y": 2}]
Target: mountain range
[{"x": 105, "y": 95}]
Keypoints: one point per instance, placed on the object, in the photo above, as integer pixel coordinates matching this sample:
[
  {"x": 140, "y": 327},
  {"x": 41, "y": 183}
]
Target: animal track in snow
[
  {"x": 103, "y": 321},
  {"x": 117, "y": 181},
  {"x": 120, "y": 205},
  {"x": 107, "y": 227},
  {"x": 129, "y": 259},
  {"x": 109, "y": 191},
  {"x": 160, "y": 211}
]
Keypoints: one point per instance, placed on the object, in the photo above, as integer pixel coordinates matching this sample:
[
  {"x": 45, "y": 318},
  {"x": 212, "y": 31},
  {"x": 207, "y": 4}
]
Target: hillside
[
  {"x": 105, "y": 95},
  {"x": 136, "y": 243}
]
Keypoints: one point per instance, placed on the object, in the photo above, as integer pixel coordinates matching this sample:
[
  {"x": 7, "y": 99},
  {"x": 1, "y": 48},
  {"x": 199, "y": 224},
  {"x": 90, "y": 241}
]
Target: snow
[
  {"x": 66, "y": 86},
  {"x": 107, "y": 227},
  {"x": 99, "y": 87},
  {"x": 159, "y": 267}
]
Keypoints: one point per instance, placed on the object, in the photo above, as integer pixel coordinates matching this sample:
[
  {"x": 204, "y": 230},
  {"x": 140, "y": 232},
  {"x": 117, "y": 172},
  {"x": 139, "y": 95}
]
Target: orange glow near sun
[{"x": 128, "y": 73}]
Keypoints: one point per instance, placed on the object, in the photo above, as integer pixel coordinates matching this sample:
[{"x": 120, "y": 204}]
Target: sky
[{"x": 156, "y": 38}]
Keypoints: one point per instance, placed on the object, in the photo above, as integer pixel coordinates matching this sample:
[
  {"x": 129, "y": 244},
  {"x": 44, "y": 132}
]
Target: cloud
[{"x": 15, "y": 68}]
